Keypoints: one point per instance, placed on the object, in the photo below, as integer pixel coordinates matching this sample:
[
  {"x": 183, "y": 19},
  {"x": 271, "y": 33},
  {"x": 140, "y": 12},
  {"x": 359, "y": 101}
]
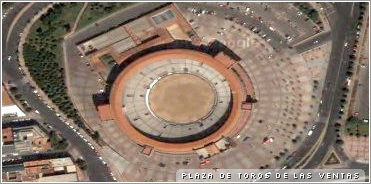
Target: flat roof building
[
  {"x": 8, "y": 108},
  {"x": 160, "y": 26},
  {"x": 7, "y": 135},
  {"x": 62, "y": 168}
]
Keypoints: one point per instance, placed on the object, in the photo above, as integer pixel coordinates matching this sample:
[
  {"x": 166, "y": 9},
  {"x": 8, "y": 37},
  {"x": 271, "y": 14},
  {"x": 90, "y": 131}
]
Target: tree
[
  {"x": 349, "y": 73},
  {"x": 95, "y": 135},
  {"x": 339, "y": 141},
  {"x": 81, "y": 163},
  {"x": 13, "y": 89},
  {"x": 28, "y": 109},
  {"x": 294, "y": 125}
]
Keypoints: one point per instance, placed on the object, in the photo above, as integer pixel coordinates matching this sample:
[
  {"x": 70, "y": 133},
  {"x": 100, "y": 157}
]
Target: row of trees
[
  {"x": 43, "y": 56},
  {"x": 349, "y": 73}
]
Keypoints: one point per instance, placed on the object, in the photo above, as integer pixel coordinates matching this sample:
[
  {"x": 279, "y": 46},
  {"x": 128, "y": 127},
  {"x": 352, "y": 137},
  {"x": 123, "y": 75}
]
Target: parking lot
[{"x": 282, "y": 84}]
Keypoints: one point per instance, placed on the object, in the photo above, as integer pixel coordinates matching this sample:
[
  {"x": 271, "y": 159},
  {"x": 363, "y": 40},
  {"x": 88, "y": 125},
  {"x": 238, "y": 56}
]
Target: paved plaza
[
  {"x": 357, "y": 148},
  {"x": 281, "y": 82}
]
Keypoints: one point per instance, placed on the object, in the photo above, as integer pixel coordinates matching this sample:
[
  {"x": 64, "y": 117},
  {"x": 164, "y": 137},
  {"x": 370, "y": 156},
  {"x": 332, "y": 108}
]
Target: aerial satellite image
[{"x": 185, "y": 91}]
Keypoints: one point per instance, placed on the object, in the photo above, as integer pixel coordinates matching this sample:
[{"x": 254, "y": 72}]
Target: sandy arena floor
[{"x": 181, "y": 98}]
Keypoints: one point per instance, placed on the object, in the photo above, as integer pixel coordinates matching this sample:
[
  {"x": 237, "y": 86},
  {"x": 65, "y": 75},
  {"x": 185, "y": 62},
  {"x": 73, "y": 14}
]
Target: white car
[
  {"x": 345, "y": 44},
  {"x": 37, "y": 112},
  {"x": 310, "y": 132},
  {"x": 315, "y": 42}
]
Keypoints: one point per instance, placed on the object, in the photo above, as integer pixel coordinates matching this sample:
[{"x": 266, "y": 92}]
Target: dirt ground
[{"x": 181, "y": 98}]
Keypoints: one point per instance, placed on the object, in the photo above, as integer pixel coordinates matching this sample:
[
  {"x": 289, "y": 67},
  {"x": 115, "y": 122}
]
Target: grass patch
[
  {"x": 356, "y": 127},
  {"x": 57, "y": 142},
  {"x": 97, "y": 10},
  {"x": 43, "y": 55}
]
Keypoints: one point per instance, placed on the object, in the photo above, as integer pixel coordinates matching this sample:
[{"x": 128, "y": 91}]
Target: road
[
  {"x": 342, "y": 31},
  {"x": 313, "y": 42},
  {"x": 7, "y": 21},
  {"x": 96, "y": 170}
]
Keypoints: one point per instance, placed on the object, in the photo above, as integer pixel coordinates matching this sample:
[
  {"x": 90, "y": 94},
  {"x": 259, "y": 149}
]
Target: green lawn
[
  {"x": 57, "y": 142},
  {"x": 97, "y": 10},
  {"x": 44, "y": 55},
  {"x": 355, "y": 126}
]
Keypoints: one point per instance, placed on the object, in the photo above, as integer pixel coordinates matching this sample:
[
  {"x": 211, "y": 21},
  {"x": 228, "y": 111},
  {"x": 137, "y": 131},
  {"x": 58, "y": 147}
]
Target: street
[
  {"x": 342, "y": 31},
  {"x": 96, "y": 170}
]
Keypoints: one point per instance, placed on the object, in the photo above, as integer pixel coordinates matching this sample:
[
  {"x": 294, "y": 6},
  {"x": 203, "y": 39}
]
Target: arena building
[
  {"x": 179, "y": 101},
  {"x": 174, "y": 100}
]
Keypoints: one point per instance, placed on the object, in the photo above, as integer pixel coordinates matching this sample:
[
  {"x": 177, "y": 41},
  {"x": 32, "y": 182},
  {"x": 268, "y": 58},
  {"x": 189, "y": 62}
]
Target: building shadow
[{"x": 212, "y": 49}]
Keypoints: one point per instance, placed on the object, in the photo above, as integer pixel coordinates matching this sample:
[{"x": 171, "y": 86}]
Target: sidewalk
[
  {"x": 359, "y": 54},
  {"x": 352, "y": 142},
  {"x": 43, "y": 97},
  {"x": 323, "y": 17}
]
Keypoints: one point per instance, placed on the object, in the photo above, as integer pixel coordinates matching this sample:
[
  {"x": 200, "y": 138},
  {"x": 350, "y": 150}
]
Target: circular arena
[
  {"x": 158, "y": 108},
  {"x": 176, "y": 101}
]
